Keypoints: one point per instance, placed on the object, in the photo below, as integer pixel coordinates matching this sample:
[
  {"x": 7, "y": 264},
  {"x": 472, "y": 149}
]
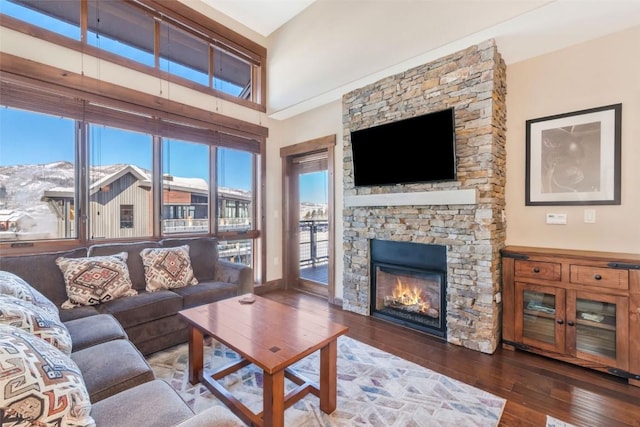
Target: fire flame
[{"x": 403, "y": 294}]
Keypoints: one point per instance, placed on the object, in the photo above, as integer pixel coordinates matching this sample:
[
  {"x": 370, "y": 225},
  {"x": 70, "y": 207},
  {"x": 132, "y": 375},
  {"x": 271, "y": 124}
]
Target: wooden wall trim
[{"x": 17, "y": 70}]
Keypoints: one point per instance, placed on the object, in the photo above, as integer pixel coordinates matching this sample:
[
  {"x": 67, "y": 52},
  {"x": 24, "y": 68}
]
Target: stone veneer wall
[{"x": 473, "y": 81}]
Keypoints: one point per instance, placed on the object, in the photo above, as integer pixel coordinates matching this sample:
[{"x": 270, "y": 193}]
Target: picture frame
[{"x": 574, "y": 158}]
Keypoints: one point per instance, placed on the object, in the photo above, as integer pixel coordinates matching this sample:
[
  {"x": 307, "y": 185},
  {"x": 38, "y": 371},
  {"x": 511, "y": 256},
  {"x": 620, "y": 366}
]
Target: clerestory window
[{"x": 159, "y": 37}]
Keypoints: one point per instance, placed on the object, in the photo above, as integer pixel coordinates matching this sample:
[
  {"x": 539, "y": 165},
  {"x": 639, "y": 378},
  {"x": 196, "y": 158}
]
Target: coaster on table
[{"x": 247, "y": 299}]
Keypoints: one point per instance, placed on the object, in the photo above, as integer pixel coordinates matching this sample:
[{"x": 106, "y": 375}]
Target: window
[
  {"x": 59, "y": 16},
  {"x": 158, "y": 36},
  {"x": 184, "y": 55},
  {"x": 235, "y": 190},
  {"x": 126, "y": 216},
  {"x": 123, "y": 29},
  {"x": 37, "y": 176},
  {"x": 121, "y": 165},
  {"x": 119, "y": 175},
  {"x": 231, "y": 74},
  {"x": 236, "y": 251},
  {"x": 185, "y": 187}
]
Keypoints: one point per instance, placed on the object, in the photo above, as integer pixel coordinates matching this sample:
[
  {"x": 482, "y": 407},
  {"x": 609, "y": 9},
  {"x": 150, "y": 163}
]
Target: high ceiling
[
  {"x": 262, "y": 16},
  {"x": 319, "y": 50}
]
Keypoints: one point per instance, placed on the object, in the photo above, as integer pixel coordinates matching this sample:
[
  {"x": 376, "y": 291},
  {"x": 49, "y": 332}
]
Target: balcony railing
[
  {"x": 185, "y": 225},
  {"x": 314, "y": 242}
]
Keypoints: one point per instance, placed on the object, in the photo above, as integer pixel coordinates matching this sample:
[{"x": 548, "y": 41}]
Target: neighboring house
[
  {"x": 120, "y": 205},
  {"x": 14, "y": 221}
]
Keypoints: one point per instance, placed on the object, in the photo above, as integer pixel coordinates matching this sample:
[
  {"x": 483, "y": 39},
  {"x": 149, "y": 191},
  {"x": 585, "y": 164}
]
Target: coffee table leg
[
  {"x": 328, "y": 377},
  {"x": 273, "y": 400},
  {"x": 196, "y": 356}
]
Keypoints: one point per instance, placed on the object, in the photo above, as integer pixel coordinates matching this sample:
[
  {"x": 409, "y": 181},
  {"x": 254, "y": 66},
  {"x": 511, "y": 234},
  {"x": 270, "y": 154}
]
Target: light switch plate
[
  {"x": 590, "y": 216},
  {"x": 557, "y": 218}
]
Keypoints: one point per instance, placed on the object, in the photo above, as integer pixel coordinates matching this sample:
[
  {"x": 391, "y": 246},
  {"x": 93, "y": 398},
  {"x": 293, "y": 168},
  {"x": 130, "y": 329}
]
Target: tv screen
[{"x": 418, "y": 149}]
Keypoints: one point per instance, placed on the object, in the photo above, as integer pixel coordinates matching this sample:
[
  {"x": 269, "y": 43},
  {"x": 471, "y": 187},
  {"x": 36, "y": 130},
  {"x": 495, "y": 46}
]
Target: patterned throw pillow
[
  {"x": 167, "y": 268},
  {"x": 33, "y": 319},
  {"x": 94, "y": 280},
  {"x": 11, "y": 284},
  {"x": 40, "y": 385}
]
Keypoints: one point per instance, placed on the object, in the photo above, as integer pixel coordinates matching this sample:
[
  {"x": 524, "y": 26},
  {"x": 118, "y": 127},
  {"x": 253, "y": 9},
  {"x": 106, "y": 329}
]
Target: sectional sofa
[
  {"x": 102, "y": 375},
  {"x": 150, "y": 319}
]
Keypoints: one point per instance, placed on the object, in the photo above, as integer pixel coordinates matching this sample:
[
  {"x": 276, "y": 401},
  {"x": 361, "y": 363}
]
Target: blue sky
[{"x": 28, "y": 138}]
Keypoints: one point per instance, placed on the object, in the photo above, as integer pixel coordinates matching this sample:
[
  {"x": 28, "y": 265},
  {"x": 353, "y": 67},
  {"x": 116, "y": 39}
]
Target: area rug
[
  {"x": 554, "y": 422},
  {"x": 375, "y": 389}
]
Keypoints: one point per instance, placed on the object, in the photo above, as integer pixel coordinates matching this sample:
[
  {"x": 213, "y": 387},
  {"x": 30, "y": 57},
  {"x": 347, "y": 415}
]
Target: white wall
[
  {"x": 600, "y": 72},
  {"x": 323, "y": 121}
]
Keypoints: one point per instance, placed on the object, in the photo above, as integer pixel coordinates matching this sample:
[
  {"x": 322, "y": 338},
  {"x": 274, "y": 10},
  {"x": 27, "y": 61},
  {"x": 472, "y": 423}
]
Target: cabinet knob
[
  {"x": 597, "y": 277},
  {"x": 559, "y": 321},
  {"x": 570, "y": 323},
  {"x": 536, "y": 270}
]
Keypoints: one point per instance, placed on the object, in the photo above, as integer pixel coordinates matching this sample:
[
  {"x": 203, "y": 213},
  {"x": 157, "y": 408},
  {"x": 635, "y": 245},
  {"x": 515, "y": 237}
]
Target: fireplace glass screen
[{"x": 410, "y": 297}]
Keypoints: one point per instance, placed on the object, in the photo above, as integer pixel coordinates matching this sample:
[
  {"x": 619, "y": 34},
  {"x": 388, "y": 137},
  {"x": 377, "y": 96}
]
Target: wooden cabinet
[{"x": 582, "y": 307}]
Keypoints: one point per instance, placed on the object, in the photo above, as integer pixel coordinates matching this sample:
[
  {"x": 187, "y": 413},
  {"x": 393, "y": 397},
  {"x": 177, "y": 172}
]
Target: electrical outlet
[{"x": 557, "y": 218}]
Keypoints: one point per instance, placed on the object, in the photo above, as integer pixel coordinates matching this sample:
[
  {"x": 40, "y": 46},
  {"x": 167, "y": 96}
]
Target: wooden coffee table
[{"x": 272, "y": 336}]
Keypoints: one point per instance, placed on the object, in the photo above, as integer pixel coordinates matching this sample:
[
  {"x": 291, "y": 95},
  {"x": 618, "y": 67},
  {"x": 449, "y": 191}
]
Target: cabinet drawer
[
  {"x": 538, "y": 270},
  {"x": 599, "y": 276}
]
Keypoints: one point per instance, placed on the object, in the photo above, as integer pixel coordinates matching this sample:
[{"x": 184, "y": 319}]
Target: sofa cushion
[
  {"x": 36, "y": 321},
  {"x": 41, "y": 272},
  {"x": 167, "y": 268},
  {"x": 134, "y": 262},
  {"x": 89, "y": 331},
  {"x": 78, "y": 312},
  {"x": 206, "y": 292},
  {"x": 43, "y": 385},
  {"x": 144, "y": 307},
  {"x": 152, "y": 403},
  {"x": 95, "y": 280},
  {"x": 111, "y": 367},
  {"x": 160, "y": 342},
  {"x": 203, "y": 252},
  {"x": 12, "y": 284}
]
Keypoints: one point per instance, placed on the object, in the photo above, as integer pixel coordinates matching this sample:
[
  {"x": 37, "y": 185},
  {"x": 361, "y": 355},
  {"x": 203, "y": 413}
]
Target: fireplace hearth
[{"x": 408, "y": 282}]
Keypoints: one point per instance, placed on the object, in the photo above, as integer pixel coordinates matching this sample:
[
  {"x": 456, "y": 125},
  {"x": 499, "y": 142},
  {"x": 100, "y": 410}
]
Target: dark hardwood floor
[{"x": 534, "y": 386}]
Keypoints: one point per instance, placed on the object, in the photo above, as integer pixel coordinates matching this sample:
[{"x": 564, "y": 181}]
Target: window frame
[
  {"x": 37, "y": 87},
  {"x": 182, "y": 17}
]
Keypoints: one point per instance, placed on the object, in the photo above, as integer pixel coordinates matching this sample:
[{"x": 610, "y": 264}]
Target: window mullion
[
  {"x": 82, "y": 181},
  {"x": 211, "y": 65},
  {"x": 156, "y": 43},
  {"x": 84, "y": 21},
  {"x": 157, "y": 185}
]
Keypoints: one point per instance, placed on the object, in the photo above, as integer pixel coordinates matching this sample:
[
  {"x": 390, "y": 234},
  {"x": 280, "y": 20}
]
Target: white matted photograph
[{"x": 574, "y": 158}]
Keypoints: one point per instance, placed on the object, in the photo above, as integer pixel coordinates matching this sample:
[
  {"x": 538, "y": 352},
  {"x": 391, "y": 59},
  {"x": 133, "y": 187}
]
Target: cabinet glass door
[
  {"x": 539, "y": 309},
  {"x": 597, "y": 322}
]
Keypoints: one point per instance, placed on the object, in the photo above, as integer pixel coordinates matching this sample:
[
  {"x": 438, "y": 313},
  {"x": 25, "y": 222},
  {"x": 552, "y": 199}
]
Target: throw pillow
[
  {"x": 40, "y": 385},
  {"x": 11, "y": 284},
  {"x": 94, "y": 280},
  {"x": 35, "y": 320},
  {"x": 167, "y": 268}
]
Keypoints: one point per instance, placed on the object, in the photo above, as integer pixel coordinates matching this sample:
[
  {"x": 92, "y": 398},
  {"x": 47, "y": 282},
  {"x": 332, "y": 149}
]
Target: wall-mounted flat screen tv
[{"x": 414, "y": 150}]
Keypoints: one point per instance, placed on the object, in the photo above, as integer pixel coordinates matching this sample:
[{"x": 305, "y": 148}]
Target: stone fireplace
[
  {"x": 463, "y": 217},
  {"x": 408, "y": 284}
]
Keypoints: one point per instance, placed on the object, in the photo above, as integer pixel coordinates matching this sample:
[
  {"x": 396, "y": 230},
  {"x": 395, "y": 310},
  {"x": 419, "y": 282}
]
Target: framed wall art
[{"x": 574, "y": 158}]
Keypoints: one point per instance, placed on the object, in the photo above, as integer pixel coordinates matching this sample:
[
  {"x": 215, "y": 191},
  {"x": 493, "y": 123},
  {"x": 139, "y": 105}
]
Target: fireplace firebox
[{"x": 408, "y": 284}]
